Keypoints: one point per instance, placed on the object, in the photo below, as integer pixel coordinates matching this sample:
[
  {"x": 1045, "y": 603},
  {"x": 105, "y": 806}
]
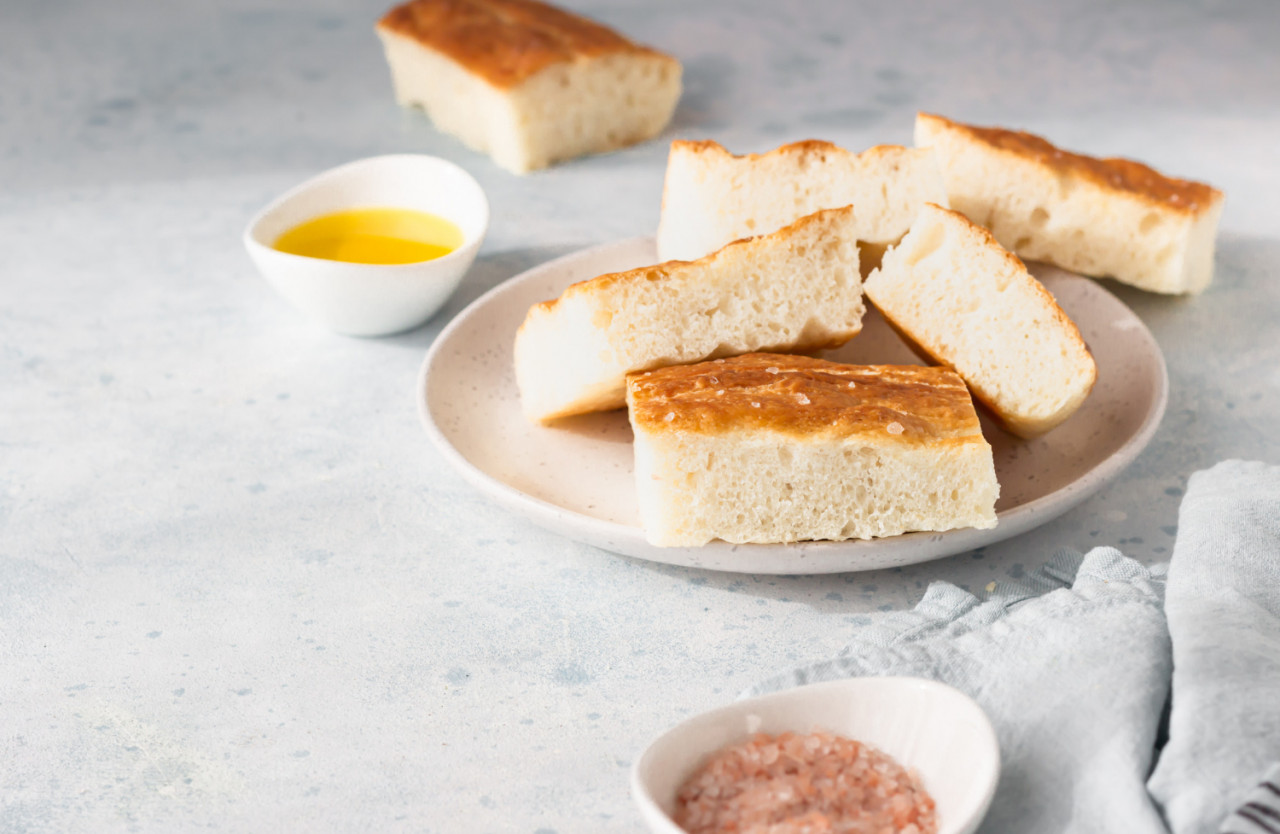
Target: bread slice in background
[
  {"x": 711, "y": 197},
  {"x": 526, "y": 82},
  {"x": 797, "y": 289},
  {"x": 770, "y": 448},
  {"x": 1101, "y": 217},
  {"x": 964, "y": 301}
]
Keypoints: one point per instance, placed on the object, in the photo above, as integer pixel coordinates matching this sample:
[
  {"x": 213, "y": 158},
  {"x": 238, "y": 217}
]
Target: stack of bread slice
[
  {"x": 739, "y": 439},
  {"x": 797, "y": 289}
]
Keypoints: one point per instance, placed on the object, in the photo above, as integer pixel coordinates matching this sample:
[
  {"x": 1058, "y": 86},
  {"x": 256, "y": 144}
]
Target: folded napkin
[
  {"x": 1223, "y": 606},
  {"x": 1074, "y": 667},
  {"x": 1260, "y": 811}
]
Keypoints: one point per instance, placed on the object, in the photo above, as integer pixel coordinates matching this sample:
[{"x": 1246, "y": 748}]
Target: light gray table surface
[{"x": 240, "y": 589}]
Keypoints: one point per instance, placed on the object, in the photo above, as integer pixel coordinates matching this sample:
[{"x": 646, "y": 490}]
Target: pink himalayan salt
[{"x": 818, "y": 783}]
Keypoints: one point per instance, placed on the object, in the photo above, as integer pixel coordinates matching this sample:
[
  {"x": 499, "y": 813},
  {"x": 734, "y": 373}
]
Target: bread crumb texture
[
  {"x": 525, "y": 82},
  {"x": 964, "y": 301},
  {"x": 800, "y": 449},
  {"x": 1102, "y": 217},
  {"x": 711, "y": 197},
  {"x": 796, "y": 290}
]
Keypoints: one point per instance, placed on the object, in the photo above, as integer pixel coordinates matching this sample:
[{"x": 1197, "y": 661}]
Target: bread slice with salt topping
[
  {"x": 1102, "y": 217},
  {"x": 962, "y": 300},
  {"x": 711, "y": 197},
  {"x": 526, "y": 82},
  {"x": 769, "y": 448},
  {"x": 798, "y": 289}
]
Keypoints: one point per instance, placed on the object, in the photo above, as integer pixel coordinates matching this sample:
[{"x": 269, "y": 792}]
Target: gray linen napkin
[
  {"x": 1223, "y": 607},
  {"x": 1260, "y": 811},
  {"x": 1073, "y": 669},
  {"x": 1071, "y": 665}
]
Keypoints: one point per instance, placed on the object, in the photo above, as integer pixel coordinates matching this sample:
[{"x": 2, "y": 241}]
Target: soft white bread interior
[
  {"x": 711, "y": 197},
  {"x": 1101, "y": 217},
  {"x": 770, "y": 448},
  {"x": 797, "y": 289},
  {"x": 962, "y": 300},
  {"x": 525, "y": 82}
]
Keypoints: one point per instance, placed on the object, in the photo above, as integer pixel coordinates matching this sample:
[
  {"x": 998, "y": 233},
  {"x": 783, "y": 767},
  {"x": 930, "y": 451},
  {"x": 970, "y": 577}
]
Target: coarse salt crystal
[
  {"x": 755, "y": 405},
  {"x": 802, "y": 399},
  {"x": 720, "y": 393},
  {"x": 785, "y": 784},
  {"x": 771, "y": 370},
  {"x": 671, "y": 415},
  {"x": 894, "y": 428}
]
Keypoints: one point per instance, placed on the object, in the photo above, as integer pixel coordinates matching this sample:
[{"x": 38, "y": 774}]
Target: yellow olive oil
[{"x": 373, "y": 236}]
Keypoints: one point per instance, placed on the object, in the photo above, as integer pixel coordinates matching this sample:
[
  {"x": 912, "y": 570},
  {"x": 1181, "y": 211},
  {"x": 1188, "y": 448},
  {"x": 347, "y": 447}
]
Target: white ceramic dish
[
  {"x": 576, "y": 478},
  {"x": 926, "y": 726},
  {"x": 371, "y": 299}
]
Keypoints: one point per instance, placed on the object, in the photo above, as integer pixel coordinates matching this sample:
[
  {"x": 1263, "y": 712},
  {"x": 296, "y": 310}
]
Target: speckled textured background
[{"x": 238, "y": 587}]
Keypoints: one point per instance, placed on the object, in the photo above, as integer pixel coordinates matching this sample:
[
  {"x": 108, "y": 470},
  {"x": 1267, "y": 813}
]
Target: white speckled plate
[{"x": 576, "y": 478}]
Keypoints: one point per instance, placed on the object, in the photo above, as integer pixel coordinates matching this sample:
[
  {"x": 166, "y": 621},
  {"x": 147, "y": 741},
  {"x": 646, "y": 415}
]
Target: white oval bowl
[
  {"x": 933, "y": 729},
  {"x": 371, "y": 299}
]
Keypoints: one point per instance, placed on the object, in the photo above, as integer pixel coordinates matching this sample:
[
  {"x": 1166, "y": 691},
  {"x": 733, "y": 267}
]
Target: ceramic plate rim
[{"x": 1012, "y": 521}]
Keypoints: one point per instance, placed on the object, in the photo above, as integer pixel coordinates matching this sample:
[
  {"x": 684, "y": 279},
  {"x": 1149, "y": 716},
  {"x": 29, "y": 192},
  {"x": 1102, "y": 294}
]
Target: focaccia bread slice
[
  {"x": 963, "y": 300},
  {"x": 526, "y": 82},
  {"x": 1102, "y": 217},
  {"x": 772, "y": 448},
  {"x": 797, "y": 289},
  {"x": 711, "y": 197}
]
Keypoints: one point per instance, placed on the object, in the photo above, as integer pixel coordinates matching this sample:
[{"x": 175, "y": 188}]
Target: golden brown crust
[
  {"x": 1114, "y": 173},
  {"x": 659, "y": 272},
  {"x": 802, "y": 149},
  {"x": 805, "y": 397},
  {"x": 505, "y": 41}
]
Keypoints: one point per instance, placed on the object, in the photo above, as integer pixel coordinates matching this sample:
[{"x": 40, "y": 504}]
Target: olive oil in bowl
[
  {"x": 373, "y": 236},
  {"x": 395, "y": 236}
]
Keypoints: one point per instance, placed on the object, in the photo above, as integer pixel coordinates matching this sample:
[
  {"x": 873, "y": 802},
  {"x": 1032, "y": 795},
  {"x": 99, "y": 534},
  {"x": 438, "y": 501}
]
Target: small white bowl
[
  {"x": 371, "y": 299},
  {"x": 926, "y": 726}
]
